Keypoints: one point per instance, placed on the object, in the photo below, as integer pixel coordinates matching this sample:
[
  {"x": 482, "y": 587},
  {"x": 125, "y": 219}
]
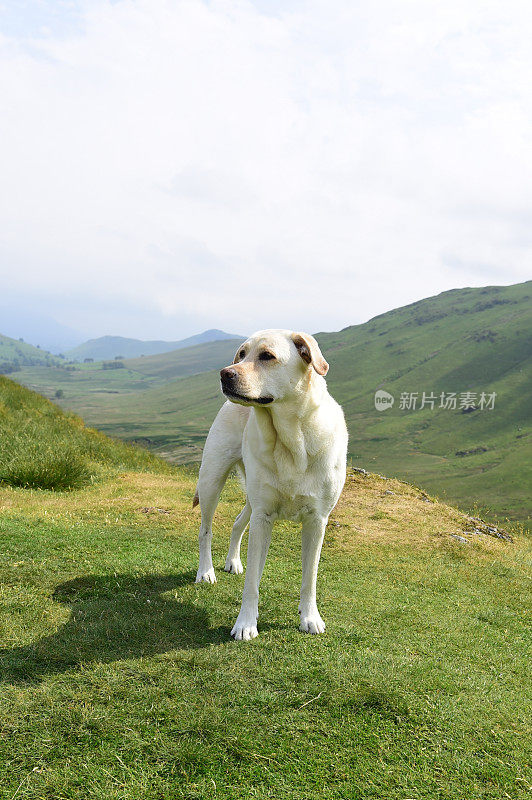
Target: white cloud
[{"x": 233, "y": 167}]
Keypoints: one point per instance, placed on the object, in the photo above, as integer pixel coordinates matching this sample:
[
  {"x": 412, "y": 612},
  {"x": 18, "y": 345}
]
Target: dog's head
[{"x": 272, "y": 365}]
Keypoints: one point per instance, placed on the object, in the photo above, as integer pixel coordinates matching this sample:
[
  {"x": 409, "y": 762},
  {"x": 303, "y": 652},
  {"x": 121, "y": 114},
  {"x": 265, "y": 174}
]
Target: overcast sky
[{"x": 174, "y": 165}]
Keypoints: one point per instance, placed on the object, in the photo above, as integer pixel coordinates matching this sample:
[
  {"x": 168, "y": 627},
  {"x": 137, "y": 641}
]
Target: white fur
[{"x": 292, "y": 452}]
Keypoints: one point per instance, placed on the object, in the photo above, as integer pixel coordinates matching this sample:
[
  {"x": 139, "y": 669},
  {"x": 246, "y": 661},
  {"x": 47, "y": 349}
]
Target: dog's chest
[
  {"x": 290, "y": 494},
  {"x": 294, "y": 508},
  {"x": 290, "y": 471}
]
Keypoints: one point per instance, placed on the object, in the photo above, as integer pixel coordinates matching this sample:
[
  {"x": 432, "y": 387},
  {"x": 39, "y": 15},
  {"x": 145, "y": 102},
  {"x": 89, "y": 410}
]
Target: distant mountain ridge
[{"x": 109, "y": 347}]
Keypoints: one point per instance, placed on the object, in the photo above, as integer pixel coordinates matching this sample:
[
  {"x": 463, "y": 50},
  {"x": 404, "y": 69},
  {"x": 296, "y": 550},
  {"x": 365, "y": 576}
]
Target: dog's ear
[{"x": 310, "y": 352}]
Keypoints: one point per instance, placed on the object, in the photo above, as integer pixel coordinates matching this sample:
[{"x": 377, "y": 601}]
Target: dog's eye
[
  {"x": 242, "y": 354},
  {"x": 265, "y": 356}
]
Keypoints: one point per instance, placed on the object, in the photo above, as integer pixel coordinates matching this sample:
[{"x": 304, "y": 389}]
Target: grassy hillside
[
  {"x": 119, "y": 679},
  {"x": 107, "y": 347},
  {"x": 471, "y": 340},
  {"x": 14, "y": 353},
  {"x": 465, "y": 340},
  {"x": 42, "y": 447}
]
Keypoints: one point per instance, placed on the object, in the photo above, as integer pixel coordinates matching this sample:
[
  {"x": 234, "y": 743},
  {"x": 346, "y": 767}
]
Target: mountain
[
  {"x": 15, "y": 354},
  {"x": 109, "y": 347}
]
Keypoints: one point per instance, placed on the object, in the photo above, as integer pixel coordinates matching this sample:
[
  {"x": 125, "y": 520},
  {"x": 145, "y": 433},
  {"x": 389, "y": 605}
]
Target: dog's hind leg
[
  {"x": 233, "y": 562},
  {"x": 223, "y": 450}
]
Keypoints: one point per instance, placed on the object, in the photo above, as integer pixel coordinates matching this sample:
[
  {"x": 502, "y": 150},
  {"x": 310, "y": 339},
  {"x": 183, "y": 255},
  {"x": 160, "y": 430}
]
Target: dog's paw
[
  {"x": 244, "y": 629},
  {"x": 206, "y": 576},
  {"x": 234, "y": 565},
  {"x": 311, "y": 622}
]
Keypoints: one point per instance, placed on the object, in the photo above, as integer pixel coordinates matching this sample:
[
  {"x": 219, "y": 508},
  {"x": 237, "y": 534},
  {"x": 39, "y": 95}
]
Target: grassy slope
[
  {"x": 467, "y": 339},
  {"x": 43, "y": 447},
  {"x": 119, "y": 679}
]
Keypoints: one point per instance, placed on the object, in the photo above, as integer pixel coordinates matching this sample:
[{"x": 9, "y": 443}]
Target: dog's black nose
[{"x": 228, "y": 376}]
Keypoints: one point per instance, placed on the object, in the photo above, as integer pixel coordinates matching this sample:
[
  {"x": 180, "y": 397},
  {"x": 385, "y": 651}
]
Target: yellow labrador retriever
[{"x": 287, "y": 437}]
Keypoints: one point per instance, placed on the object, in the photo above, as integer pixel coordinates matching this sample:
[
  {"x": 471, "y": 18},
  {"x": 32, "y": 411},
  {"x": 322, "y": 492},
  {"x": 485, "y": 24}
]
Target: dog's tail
[{"x": 195, "y": 500}]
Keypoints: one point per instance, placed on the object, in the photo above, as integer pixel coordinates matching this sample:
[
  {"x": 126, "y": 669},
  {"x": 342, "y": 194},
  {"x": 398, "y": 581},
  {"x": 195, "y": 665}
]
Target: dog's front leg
[
  {"x": 311, "y": 541},
  {"x": 260, "y": 534}
]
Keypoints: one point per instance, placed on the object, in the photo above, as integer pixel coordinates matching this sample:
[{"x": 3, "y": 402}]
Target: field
[{"x": 120, "y": 680}]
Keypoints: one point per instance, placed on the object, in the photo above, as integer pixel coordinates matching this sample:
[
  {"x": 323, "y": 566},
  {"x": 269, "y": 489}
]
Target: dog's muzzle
[{"x": 229, "y": 381}]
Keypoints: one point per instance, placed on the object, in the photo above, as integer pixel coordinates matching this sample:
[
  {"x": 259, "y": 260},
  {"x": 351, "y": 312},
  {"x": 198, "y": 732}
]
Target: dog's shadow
[{"x": 113, "y": 617}]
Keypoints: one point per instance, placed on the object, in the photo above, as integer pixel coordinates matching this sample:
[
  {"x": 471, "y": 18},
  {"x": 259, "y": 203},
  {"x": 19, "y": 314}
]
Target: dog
[{"x": 287, "y": 438}]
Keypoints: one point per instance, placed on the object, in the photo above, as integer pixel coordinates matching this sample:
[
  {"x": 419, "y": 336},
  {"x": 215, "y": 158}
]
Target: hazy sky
[{"x": 173, "y": 165}]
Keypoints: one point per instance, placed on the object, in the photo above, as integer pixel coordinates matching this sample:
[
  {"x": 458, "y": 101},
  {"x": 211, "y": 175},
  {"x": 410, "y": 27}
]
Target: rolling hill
[
  {"x": 15, "y": 353},
  {"x": 464, "y": 340},
  {"x": 188, "y": 361},
  {"x": 108, "y": 347}
]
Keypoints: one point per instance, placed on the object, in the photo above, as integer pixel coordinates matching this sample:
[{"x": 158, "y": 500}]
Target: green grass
[
  {"x": 170, "y": 418},
  {"x": 42, "y": 447},
  {"x": 119, "y": 679}
]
